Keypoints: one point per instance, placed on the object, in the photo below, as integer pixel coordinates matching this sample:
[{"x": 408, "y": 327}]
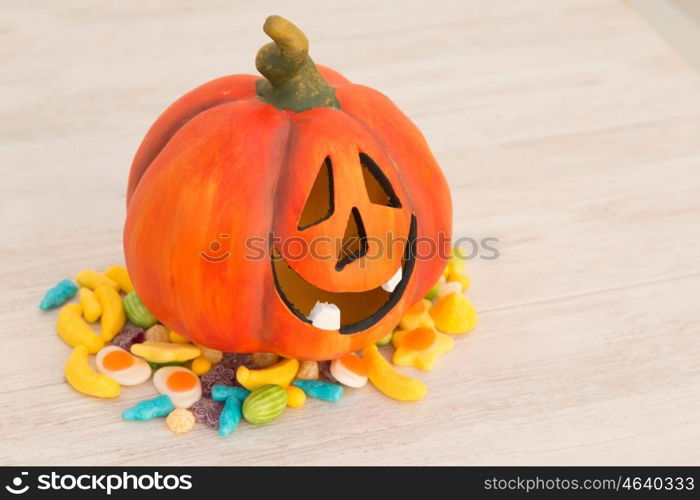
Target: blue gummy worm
[
  {"x": 320, "y": 390},
  {"x": 230, "y": 416},
  {"x": 160, "y": 406},
  {"x": 57, "y": 295},
  {"x": 221, "y": 392}
]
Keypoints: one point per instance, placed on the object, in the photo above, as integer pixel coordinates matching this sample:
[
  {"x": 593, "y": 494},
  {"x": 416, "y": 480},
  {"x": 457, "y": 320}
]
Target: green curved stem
[{"x": 292, "y": 80}]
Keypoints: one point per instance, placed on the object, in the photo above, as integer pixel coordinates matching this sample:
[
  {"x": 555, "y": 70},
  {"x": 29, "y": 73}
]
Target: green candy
[
  {"x": 386, "y": 340},
  {"x": 432, "y": 293},
  {"x": 265, "y": 404},
  {"x": 137, "y": 312},
  {"x": 158, "y": 366}
]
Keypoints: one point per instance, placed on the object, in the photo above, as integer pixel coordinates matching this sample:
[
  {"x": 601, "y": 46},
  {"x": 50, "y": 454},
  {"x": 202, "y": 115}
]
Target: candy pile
[{"x": 198, "y": 384}]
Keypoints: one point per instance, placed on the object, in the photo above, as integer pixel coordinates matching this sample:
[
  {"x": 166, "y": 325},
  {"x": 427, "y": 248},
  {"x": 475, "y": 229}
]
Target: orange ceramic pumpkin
[{"x": 254, "y": 202}]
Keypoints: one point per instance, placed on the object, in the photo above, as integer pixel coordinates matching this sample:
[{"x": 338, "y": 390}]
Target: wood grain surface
[{"x": 567, "y": 130}]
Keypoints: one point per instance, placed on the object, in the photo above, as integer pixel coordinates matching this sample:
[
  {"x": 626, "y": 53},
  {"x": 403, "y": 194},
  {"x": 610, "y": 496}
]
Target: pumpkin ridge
[
  {"x": 150, "y": 152},
  {"x": 176, "y": 129},
  {"x": 267, "y": 303},
  {"x": 182, "y": 126}
]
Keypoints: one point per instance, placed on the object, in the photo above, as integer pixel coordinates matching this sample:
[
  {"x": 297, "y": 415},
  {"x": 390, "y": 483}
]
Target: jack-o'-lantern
[{"x": 283, "y": 214}]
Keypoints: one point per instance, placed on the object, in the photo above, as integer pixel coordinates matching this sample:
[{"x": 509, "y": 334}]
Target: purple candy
[
  {"x": 128, "y": 336},
  {"x": 233, "y": 360},
  {"x": 324, "y": 368},
  {"x": 219, "y": 374},
  {"x": 206, "y": 411}
]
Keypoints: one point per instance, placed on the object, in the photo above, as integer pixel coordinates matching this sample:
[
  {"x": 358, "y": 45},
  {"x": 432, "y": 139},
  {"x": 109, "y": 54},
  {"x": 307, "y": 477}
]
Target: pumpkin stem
[{"x": 292, "y": 80}]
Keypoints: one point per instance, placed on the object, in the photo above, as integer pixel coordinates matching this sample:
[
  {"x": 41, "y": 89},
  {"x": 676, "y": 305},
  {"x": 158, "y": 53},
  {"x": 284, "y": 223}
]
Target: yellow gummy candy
[
  {"x": 392, "y": 383},
  {"x": 113, "y": 315},
  {"x": 295, "y": 397},
  {"x": 120, "y": 276},
  {"x": 74, "y": 330},
  {"x": 165, "y": 352},
  {"x": 92, "y": 280},
  {"x": 92, "y": 309},
  {"x": 420, "y": 347},
  {"x": 281, "y": 373},
  {"x": 84, "y": 379},
  {"x": 454, "y": 313},
  {"x": 200, "y": 365},
  {"x": 417, "y": 316},
  {"x": 455, "y": 264},
  {"x": 461, "y": 278},
  {"x": 458, "y": 261},
  {"x": 176, "y": 338}
]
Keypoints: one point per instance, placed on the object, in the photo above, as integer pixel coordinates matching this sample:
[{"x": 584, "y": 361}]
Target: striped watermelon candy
[
  {"x": 265, "y": 404},
  {"x": 137, "y": 313}
]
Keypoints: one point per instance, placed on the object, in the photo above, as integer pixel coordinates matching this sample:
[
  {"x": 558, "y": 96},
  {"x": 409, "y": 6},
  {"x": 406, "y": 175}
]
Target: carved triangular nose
[{"x": 354, "y": 245}]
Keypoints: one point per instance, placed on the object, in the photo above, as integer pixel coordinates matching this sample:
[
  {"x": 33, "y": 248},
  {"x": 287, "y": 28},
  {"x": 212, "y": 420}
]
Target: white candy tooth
[
  {"x": 448, "y": 288},
  {"x": 390, "y": 285},
  {"x": 325, "y": 316}
]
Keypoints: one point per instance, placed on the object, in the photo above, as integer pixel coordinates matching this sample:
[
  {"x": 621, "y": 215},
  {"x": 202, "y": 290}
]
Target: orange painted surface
[{"x": 221, "y": 162}]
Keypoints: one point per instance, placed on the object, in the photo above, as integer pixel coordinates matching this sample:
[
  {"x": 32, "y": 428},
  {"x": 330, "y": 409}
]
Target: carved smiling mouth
[{"x": 346, "y": 312}]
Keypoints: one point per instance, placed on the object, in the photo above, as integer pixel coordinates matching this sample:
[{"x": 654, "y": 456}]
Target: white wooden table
[{"x": 568, "y": 130}]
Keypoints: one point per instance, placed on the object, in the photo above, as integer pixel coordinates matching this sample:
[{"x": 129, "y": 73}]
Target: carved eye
[
  {"x": 378, "y": 186},
  {"x": 319, "y": 205}
]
